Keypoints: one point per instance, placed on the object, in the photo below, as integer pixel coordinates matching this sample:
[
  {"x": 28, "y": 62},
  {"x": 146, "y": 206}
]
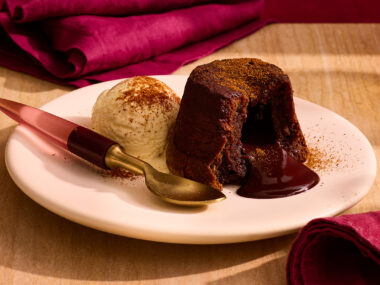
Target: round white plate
[{"x": 76, "y": 190}]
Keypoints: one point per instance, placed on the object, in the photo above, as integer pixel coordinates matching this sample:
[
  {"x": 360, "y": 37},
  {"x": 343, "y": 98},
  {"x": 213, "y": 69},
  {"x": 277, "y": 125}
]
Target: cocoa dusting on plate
[
  {"x": 325, "y": 156},
  {"x": 120, "y": 173}
]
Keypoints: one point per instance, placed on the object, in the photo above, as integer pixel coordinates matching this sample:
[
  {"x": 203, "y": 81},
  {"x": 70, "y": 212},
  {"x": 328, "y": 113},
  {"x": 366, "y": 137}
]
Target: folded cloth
[
  {"x": 81, "y": 42},
  {"x": 80, "y": 50},
  {"x": 340, "y": 250},
  {"x": 31, "y": 10},
  {"x": 322, "y": 11}
]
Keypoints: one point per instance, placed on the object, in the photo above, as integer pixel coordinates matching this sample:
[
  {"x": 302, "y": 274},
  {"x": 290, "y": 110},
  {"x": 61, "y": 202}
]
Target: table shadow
[
  {"x": 267, "y": 273},
  {"x": 40, "y": 84}
]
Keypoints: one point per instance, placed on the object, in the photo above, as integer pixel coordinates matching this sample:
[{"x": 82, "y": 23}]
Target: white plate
[{"x": 76, "y": 190}]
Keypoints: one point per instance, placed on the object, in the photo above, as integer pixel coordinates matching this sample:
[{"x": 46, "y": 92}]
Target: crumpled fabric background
[{"x": 82, "y": 42}]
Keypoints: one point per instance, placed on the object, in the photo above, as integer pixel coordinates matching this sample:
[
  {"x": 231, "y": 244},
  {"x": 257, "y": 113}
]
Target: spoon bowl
[{"x": 173, "y": 189}]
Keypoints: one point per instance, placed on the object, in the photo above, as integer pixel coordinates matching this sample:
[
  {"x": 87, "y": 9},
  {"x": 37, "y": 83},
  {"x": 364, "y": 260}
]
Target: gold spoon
[
  {"x": 108, "y": 154},
  {"x": 171, "y": 188}
]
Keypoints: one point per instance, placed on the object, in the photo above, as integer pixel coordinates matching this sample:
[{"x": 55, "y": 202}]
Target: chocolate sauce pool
[{"x": 273, "y": 173}]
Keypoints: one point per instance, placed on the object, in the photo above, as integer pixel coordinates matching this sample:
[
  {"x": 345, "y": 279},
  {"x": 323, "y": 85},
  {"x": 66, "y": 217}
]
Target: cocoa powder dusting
[
  {"x": 248, "y": 76},
  {"x": 150, "y": 92},
  {"x": 324, "y": 157},
  {"x": 121, "y": 173}
]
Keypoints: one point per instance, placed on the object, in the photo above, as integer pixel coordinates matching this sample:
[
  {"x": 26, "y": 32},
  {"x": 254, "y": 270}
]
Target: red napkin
[
  {"x": 32, "y": 10},
  {"x": 341, "y": 250},
  {"x": 80, "y": 50},
  {"x": 81, "y": 42},
  {"x": 322, "y": 11}
]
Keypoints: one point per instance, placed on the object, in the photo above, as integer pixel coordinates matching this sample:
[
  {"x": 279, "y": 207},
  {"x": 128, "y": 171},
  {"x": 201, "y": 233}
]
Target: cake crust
[{"x": 206, "y": 143}]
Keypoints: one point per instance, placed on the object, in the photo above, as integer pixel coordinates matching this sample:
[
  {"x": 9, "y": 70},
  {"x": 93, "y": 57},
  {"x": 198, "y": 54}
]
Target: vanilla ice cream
[{"x": 137, "y": 113}]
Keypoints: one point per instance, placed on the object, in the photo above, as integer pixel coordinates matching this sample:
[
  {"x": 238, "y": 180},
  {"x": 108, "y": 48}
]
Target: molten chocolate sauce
[{"x": 273, "y": 173}]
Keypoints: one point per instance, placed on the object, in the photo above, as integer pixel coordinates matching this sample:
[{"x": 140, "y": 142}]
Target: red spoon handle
[
  {"x": 89, "y": 145},
  {"x": 78, "y": 140}
]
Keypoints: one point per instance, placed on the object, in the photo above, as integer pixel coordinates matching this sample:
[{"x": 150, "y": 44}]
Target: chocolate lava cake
[{"x": 228, "y": 105}]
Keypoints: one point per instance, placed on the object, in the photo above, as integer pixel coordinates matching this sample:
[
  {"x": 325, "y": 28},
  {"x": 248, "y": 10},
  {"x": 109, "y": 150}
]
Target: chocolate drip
[{"x": 274, "y": 173}]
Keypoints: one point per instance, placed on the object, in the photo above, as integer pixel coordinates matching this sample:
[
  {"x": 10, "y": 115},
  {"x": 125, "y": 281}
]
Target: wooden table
[{"x": 336, "y": 66}]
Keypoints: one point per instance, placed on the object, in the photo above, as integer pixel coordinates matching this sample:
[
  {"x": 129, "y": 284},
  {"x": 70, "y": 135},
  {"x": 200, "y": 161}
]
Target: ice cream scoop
[{"x": 138, "y": 113}]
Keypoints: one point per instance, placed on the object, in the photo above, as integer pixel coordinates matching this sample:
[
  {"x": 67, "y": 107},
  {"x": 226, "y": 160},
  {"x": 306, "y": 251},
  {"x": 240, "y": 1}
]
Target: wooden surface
[{"x": 336, "y": 66}]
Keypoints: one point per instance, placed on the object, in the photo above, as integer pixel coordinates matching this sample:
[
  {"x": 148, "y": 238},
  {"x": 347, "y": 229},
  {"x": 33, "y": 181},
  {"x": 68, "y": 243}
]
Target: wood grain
[{"x": 336, "y": 66}]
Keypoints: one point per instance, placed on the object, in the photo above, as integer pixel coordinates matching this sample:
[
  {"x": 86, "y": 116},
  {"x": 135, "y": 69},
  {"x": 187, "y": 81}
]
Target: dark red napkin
[
  {"x": 341, "y": 250},
  {"x": 322, "y": 11},
  {"x": 81, "y": 42},
  {"x": 80, "y": 50},
  {"x": 32, "y": 10}
]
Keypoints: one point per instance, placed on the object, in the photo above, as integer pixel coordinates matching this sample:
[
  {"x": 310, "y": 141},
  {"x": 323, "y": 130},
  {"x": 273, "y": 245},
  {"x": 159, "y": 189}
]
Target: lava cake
[{"x": 229, "y": 105}]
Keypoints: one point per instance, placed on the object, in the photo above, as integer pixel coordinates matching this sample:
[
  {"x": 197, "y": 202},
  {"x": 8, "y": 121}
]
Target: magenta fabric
[
  {"x": 340, "y": 250},
  {"x": 82, "y": 42},
  {"x": 32, "y": 10},
  {"x": 322, "y": 11},
  {"x": 81, "y": 50}
]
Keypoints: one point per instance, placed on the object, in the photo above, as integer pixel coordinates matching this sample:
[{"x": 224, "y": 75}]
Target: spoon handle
[
  {"x": 102, "y": 151},
  {"x": 116, "y": 157},
  {"x": 77, "y": 139},
  {"x": 89, "y": 145}
]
